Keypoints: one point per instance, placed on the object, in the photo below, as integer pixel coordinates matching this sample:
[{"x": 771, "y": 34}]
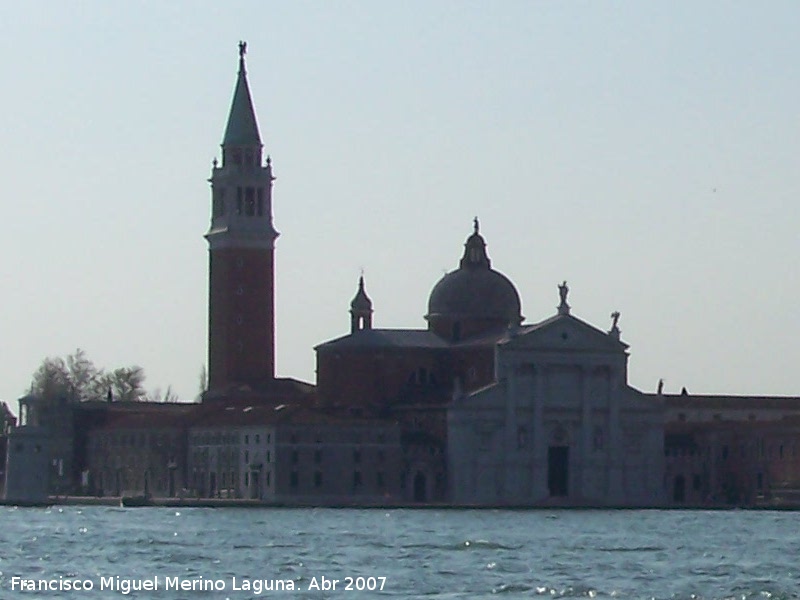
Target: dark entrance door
[
  {"x": 255, "y": 486},
  {"x": 679, "y": 489},
  {"x": 558, "y": 470},
  {"x": 420, "y": 485}
]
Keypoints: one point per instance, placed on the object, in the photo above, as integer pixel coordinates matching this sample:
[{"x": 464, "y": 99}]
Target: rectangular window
[
  {"x": 317, "y": 456},
  {"x": 258, "y": 439},
  {"x": 356, "y": 480},
  {"x": 380, "y": 481},
  {"x": 295, "y": 457},
  {"x": 317, "y": 479},
  {"x": 239, "y": 201},
  {"x": 293, "y": 479},
  {"x": 357, "y": 456}
]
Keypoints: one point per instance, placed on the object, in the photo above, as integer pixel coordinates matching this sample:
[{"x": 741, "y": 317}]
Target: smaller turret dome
[
  {"x": 360, "y": 309},
  {"x": 361, "y": 301}
]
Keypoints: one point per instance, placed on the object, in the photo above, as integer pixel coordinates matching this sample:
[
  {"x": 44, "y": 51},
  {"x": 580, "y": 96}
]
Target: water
[{"x": 425, "y": 553}]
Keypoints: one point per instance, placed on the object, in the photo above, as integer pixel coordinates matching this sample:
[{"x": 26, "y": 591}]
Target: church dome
[{"x": 474, "y": 297}]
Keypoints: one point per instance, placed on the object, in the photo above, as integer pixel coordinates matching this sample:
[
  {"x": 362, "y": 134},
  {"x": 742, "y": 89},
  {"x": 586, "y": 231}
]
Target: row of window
[
  {"x": 317, "y": 438},
  {"x": 357, "y": 480},
  {"x": 227, "y": 456},
  {"x": 227, "y": 438},
  {"x": 225, "y": 483},
  {"x": 257, "y": 438},
  {"x": 250, "y": 202},
  {"x": 248, "y": 157},
  {"x": 218, "y": 437},
  {"x": 357, "y": 456},
  {"x": 727, "y": 452},
  {"x": 134, "y": 440}
]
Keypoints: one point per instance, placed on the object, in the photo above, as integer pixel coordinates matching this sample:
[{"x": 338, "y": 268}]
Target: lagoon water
[{"x": 421, "y": 553}]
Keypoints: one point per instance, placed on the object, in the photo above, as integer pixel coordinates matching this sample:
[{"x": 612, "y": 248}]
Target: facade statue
[{"x": 563, "y": 290}]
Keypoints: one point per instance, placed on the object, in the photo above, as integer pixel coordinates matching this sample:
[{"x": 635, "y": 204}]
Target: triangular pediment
[{"x": 564, "y": 333}]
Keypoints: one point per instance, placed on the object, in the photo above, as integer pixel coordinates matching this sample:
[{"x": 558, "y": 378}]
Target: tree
[
  {"x": 126, "y": 384},
  {"x": 51, "y": 380},
  {"x": 83, "y": 376},
  {"x": 76, "y": 379}
]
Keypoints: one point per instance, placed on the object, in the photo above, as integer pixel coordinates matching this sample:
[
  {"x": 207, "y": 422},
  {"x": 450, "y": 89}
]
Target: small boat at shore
[{"x": 134, "y": 501}]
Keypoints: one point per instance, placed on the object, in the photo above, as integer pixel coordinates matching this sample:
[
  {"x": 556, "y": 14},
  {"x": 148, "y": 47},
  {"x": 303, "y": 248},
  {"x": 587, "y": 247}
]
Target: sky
[{"x": 645, "y": 152}]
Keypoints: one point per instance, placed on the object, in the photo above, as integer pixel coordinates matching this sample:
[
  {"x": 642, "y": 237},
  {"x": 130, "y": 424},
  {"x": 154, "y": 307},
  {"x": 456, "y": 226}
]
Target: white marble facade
[{"x": 560, "y": 426}]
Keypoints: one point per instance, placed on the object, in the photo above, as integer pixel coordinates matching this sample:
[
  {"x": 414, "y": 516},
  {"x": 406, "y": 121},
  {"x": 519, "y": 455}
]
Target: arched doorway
[{"x": 420, "y": 487}]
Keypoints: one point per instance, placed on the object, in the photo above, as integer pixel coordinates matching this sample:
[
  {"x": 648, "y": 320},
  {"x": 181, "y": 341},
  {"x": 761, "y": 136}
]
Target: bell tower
[{"x": 241, "y": 244}]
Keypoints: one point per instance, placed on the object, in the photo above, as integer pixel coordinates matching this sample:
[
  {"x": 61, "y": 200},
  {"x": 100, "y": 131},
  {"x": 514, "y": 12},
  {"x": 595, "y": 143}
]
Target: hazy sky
[{"x": 645, "y": 152}]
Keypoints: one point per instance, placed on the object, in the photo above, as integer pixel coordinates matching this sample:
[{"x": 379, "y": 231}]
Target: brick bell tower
[{"x": 241, "y": 244}]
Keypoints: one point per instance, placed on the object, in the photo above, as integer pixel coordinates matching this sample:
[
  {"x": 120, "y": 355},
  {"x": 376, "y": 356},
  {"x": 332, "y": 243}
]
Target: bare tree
[
  {"x": 203, "y": 382},
  {"x": 169, "y": 396}
]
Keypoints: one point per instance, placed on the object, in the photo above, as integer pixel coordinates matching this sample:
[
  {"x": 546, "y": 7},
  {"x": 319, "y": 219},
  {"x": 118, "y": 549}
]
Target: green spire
[{"x": 242, "y": 128}]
